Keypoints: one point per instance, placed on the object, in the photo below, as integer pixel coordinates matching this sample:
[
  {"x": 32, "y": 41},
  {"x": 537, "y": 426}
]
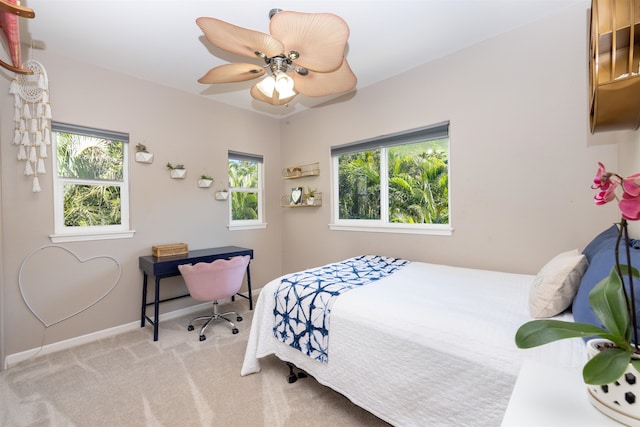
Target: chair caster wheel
[
  {"x": 239, "y": 318},
  {"x": 235, "y": 331},
  {"x": 190, "y": 328},
  {"x": 202, "y": 337}
]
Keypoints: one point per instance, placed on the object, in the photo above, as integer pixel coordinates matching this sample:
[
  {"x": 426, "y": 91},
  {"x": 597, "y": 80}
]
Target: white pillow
[{"x": 556, "y": 284}]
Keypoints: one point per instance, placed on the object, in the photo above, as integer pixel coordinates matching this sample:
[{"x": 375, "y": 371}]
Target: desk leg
[
  {"x": 156, "y": 310},
  {"x": 144, "y": 300},
  {"x": 249, "y": 286}
]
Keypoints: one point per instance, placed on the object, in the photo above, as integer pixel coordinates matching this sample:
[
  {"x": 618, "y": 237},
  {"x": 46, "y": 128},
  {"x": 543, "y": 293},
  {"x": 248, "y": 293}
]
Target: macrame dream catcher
[{"x": 33, "y": 119}]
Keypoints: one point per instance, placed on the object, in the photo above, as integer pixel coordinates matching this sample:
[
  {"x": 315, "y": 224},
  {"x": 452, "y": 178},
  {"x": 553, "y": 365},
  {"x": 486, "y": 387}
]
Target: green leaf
[
  {"x": 610, "y": 305},
  {"x": 606, "y": 366},
  {"x": 539, "y": 332},
  {"x": 624, "y": 269}
]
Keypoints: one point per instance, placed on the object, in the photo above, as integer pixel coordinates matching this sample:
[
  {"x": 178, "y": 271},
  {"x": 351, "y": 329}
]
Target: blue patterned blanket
[{"x": 304, "y": 300}]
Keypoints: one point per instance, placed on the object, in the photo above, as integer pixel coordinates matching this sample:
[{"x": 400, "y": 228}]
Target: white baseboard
[{"x": 14, "y": 359}]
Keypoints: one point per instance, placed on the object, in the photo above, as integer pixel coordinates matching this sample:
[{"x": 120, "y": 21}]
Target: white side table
[{"x": 546, "y": 395}]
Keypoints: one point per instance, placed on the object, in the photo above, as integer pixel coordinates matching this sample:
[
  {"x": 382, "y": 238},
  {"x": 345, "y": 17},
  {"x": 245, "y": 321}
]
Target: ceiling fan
[{"x": 303, "y": 55}]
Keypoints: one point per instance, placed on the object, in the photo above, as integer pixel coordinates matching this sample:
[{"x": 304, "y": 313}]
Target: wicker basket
[{"x": 168, "y": 250}]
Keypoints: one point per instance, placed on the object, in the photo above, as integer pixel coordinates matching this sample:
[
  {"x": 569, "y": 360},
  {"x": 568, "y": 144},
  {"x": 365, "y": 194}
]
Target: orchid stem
[{"x": 631, "y": 300}]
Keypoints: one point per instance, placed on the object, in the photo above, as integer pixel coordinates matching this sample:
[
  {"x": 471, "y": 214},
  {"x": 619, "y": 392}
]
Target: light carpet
[{"x": 130, "y": 380}]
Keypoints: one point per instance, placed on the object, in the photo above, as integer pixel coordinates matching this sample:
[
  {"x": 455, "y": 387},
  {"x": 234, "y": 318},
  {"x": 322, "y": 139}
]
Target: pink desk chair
[{"x": 211, "y": 281}]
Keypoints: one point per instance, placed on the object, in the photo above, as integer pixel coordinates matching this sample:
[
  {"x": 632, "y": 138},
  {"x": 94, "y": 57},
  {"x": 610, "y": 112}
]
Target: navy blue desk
[{"x": 161, "y": 267}]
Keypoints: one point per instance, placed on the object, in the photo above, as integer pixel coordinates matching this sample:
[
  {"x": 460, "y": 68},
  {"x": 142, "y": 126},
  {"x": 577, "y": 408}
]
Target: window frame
[
  {"x": 383, "y": 225},
  {"x": 253, "y": 223},
  {"x": 63, "y": 233}
]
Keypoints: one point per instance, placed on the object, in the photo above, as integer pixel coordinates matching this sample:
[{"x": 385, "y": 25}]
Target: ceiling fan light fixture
[
  {"x": 284, "y": 84},
  {"x": 280, "y": 84},
  {"x": 303, "y": 54},
  {"x": 287, "y": 94},
  {"x": 267, "y": 86}
]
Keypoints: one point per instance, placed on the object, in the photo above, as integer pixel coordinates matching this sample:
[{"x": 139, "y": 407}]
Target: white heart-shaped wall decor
[
  {"x": 56, "y": 284},
  {"x": 296, "y": 196}
]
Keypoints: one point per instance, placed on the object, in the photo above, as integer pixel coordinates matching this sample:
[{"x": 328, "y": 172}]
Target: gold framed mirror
[{"x": 614, "y": 61}]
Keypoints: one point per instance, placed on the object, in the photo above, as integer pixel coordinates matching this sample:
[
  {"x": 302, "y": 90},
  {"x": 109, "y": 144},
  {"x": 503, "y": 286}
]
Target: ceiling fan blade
[
  {"x": 319, "y": 38},
  {"x": 317, "y": 84},
  {"x": 258, "y": 95},
  {"x": 238, "y": 40},
  {"x": 231, "y": 73}
]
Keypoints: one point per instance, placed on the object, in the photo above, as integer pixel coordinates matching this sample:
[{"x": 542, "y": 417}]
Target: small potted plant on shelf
[
  {"x": 311, "y": 195},
  {"x": 205, "y": 181},
  {"x": 222, "y": 194},
  {"x": 142, "y": 155},
  {"x": 177, "y": 172}
]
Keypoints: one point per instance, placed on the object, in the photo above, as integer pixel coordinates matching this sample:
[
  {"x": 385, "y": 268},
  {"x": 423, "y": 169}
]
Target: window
[
  {"x": 245, "y": 187},
  {"x": 91, "y": 191},
  {"x": 394, "y": 183}
]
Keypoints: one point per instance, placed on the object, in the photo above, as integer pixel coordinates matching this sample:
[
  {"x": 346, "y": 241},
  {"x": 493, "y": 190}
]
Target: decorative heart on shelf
[
  {"x": 56, "y": 284},
  {"x": 296, "y": 195}
]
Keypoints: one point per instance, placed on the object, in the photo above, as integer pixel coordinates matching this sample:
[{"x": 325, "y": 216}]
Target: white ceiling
[{"x": 158, "y": 40}]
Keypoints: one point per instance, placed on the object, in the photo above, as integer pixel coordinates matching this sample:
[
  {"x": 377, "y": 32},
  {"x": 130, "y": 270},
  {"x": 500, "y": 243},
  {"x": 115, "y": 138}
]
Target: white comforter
[{"x": 428, "y": 345}]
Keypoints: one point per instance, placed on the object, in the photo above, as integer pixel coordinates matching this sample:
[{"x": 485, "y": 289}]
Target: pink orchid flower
[
  {"x": 630, "y": 207},
  {"x": 608, "y": 182},
  {"x": 630, "y": 203},
  {"x": 605, "y": 196},
  {"x": 602, "y": 179},
  {"x": 631, "y": 185}
]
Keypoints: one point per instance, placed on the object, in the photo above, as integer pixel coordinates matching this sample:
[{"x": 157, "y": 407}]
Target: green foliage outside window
[
  {"x": 95, "y": 200},
  {"x": 359, "y": 185},
  {"x": 86, "y": 157},
  {"x": 419, "y": 184},
  {"x": 91, "y": 205},
  {"x": 417, "y": 177},
  {"x": 243, "y": 178}
]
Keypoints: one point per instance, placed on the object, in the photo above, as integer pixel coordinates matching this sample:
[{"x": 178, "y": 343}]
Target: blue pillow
[
  {"x": 605, "y": 239},
  {"x": 600, "y": 265}
]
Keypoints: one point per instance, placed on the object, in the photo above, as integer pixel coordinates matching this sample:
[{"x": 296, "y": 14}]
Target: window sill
[
  {"x": 64, "y": 238},
  {"x": 236, "y": 227},
  {"x": 444, "y": 230}
]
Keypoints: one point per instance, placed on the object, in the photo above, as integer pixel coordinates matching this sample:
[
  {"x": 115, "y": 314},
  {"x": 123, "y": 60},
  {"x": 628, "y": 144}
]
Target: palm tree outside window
[{"x": 395, "y": 183}]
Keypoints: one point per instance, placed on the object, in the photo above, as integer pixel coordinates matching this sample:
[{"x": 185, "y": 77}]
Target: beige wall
[
  {"x": 522, "y": 161},
  {"x": 176, "y": 127},
  {"x": 522, "y": 158}
]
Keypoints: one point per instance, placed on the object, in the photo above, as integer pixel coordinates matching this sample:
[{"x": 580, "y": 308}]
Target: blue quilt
[{"x": 304, "y": 300}]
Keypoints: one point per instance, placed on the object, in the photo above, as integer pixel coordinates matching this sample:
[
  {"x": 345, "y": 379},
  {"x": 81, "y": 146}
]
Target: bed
[{"x": 426, "y": 344}]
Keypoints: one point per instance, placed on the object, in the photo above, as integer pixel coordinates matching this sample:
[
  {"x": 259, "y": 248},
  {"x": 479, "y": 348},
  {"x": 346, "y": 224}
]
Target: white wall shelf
[
  {"x": 293, "y": 172},
  {"x": 305, "y": 203}
]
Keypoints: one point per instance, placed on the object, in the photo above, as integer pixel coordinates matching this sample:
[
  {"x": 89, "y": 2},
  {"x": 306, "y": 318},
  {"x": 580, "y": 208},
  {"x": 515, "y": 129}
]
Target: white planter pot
[
  {"x": 143, "y": 157},
  {"x": 619, "y": 400},
  {"x": 205, "y": 183},
  {"x": 222, "y": 195},
  {"x": 178, "y": 173},
  {"x": 310, "y": 200}
]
